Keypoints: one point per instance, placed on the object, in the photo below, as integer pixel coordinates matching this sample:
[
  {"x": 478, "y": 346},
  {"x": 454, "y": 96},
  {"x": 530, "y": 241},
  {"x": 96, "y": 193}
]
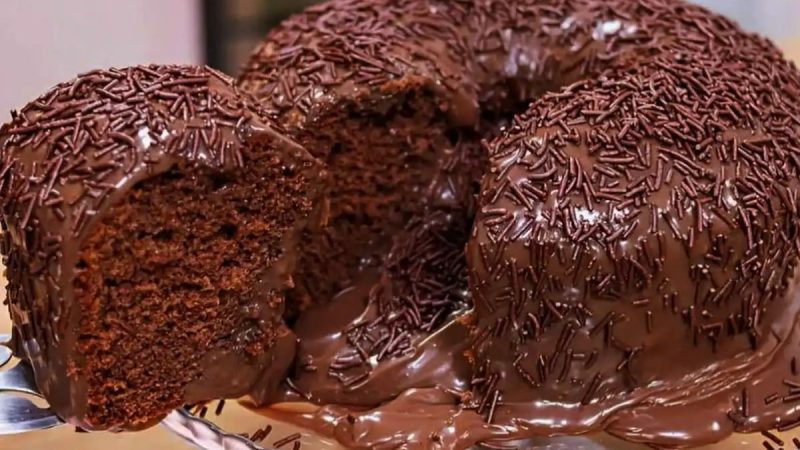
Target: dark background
[{"x": 234, "y": 27}]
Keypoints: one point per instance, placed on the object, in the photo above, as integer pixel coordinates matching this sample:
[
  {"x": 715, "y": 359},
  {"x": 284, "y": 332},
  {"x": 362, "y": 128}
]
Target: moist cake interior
[{"x": 172, "y": 270}]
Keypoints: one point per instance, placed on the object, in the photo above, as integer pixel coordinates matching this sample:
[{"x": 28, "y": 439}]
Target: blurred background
[
  {"x": 43, "y": 42},
  {"x": 232, "y": 27}
]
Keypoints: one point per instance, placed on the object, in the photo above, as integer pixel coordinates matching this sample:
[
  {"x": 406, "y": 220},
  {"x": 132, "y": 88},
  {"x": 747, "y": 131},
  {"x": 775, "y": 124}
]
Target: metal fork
[{"x": 20, "y": 415}]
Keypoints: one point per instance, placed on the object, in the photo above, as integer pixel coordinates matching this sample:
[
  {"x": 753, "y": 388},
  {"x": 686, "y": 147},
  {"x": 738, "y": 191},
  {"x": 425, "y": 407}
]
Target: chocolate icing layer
[
  {"x": 89, "y": 153},
  {"x": 636, "y": 239}
]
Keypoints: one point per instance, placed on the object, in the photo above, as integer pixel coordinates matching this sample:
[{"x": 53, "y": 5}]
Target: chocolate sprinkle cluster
[
  {"x": 647, "y": 214},
  {"x": 66, "y": 153},
  {"x": 349, "y": 49},
  {"x": 424, "y": 283}
]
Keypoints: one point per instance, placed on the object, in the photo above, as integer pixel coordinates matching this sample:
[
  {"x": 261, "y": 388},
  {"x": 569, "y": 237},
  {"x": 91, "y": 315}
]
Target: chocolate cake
[
  {"x": 150, "y": 216},
  {"x": 542, "y": 217},
  {"x": 635, "y": 243}
]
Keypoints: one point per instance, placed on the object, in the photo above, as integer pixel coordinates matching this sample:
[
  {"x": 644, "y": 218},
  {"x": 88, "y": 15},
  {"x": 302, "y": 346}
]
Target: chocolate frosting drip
[
  {"x": 69, "y": 156},
  {"x": 636, "y": 239}
]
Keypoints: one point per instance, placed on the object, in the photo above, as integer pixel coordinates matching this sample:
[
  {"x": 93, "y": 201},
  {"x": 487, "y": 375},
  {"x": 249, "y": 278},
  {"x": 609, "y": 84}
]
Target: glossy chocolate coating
[
  {"x": 635, "y": 246},
  {"x": 635, "y": 243},
  {"x": 637, "y": 232}
]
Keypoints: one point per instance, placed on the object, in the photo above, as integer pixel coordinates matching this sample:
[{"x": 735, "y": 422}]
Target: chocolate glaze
[
  {"x": 435, "y": 417},
  {"x": 636, "y": 239},
  {"x": 71, "y": 155},
  {"x": 437, "y": 359}
]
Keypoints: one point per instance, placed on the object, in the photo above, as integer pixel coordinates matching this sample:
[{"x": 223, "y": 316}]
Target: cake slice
[{"x": 149, "y": 218}]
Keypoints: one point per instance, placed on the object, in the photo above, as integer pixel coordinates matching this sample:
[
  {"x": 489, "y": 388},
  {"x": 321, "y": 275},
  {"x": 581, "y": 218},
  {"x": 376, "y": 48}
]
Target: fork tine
[
  {"x": 19, "y": 379},
  {"x": 203, "y": 434},
  {"x": 19, "y": 415},
  {"x": 5, "y": 350},
  {"x": 5, "y": 355}
]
